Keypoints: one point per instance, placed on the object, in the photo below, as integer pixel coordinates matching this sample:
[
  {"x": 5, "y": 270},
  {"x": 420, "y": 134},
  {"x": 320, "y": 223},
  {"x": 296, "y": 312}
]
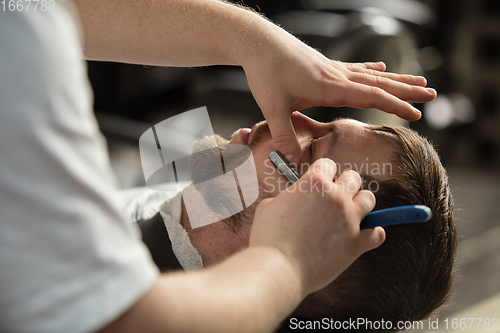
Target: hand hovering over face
[
  {"x": 284, "y": 74},
  {"x": 315, "y": 223},
  {"x": 287, "y": 76}
]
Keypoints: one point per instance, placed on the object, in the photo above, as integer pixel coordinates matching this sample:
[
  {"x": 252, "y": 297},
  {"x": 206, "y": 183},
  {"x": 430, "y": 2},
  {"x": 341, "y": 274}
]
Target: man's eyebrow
[
  {"x": 384, "y": 134},
  {"x": 332, "y": 127}
]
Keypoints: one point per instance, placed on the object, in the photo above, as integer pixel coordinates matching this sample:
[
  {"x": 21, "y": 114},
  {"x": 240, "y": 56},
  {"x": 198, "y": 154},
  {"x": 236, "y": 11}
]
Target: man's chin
[{"x": 213, "y": 171}]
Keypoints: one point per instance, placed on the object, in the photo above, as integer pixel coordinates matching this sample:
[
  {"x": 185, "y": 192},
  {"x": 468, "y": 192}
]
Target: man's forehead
[
  {"x": 349, "y": 121},
  {"x": 362, "y": 134},
  {"x": 342, "y": 126},
  {"x": 347, "y": 126},
  {"x": 370, "y": 128}
]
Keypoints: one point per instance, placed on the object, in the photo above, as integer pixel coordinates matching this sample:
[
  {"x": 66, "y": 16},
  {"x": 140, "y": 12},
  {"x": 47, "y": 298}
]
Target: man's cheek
[
  {"x": 268, "y": 168},
  {"x": 268, "y": 186}
]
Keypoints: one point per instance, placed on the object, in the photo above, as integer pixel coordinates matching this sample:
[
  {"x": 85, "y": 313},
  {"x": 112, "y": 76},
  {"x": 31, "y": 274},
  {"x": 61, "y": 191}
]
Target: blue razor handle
[{"x": 396, "y": 215}]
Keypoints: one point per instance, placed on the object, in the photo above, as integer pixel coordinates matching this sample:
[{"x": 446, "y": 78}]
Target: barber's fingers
[
  {"x": 349, "y": 181},
  {"x": 364, "y": 201},
  {"x": 377, "y": 66},
  {"x": 404, "y": 78},
  {"x": 402, "y": 90},
  {"x": 371, "y": 238},
  {"x": 363, "y": 96},
  {"x": 324, "y": 168},
  {"x": 283, "y": 134}
]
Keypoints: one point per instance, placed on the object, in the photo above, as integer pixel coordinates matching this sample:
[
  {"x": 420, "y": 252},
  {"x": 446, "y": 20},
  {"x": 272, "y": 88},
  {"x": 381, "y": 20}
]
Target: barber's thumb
[
  {"x": 372, "y": 238},
  {"x": 285, "y": 139}
]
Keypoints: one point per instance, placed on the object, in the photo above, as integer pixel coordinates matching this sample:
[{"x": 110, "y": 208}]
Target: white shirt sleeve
[{"x": 68, "y": 260}]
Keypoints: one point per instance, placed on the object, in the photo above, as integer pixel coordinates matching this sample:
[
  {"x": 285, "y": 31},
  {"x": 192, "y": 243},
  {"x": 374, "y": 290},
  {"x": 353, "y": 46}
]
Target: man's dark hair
[{"x": 410, "y": 275}]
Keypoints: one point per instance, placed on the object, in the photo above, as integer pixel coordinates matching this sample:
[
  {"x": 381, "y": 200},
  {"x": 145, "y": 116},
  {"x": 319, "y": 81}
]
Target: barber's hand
[
  {"x": 315, "y": 223},
  {"x": 289, "y": 76}
]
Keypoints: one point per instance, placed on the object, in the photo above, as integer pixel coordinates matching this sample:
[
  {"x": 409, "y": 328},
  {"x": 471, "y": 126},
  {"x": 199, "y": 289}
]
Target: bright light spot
[
  {"x": 445, "y": 110},
  {"x": 464, "y": 108},
  {"x": 439, "y": 112},
  {"x": 380, "y": 21},
  {"x": 431, "y": 58}
]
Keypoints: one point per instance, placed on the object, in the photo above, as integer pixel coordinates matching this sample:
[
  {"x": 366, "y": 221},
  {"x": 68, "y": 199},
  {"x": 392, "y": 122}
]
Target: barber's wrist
[
  {"x": 254, "y": 39},
  {"x": 288, "y": 267}
]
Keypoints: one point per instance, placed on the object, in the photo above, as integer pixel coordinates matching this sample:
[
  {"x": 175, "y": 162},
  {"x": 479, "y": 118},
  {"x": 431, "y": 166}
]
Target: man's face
[{"x": 349, "y": 143}]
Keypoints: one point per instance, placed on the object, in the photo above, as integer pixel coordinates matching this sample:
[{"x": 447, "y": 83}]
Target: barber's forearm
[
  {"x": 171, "y": 32},
  {"x": 251, "y": 291}
]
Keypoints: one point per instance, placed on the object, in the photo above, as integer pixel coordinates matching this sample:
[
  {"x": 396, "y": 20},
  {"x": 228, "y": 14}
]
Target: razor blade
[{"x": 282, "y": 166}]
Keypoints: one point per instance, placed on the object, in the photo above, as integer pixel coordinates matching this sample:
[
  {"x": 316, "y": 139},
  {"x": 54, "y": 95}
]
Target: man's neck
[{"x": 215, "y": 242}]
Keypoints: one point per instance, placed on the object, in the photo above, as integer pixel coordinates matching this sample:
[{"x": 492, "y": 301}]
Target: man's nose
[{"x": 305, "y": 125}]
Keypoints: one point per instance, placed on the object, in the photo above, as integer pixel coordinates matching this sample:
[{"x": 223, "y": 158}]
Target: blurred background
[{"x": 454, "y": 44}]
